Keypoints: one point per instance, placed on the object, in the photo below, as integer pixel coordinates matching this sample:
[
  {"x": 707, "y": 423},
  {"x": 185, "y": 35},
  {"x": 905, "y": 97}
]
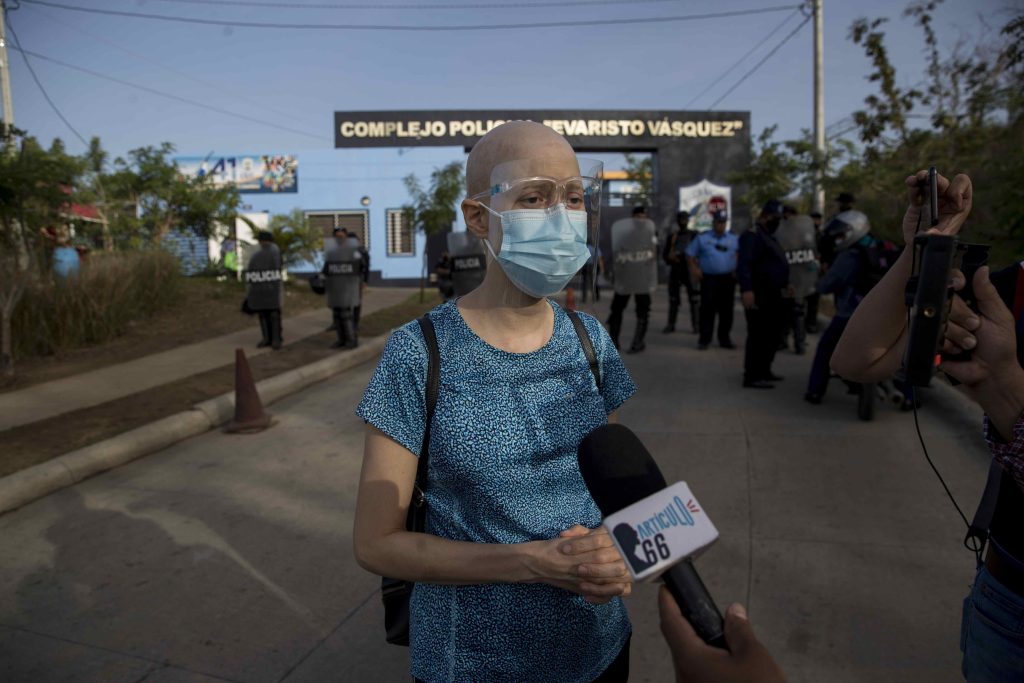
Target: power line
[
  {"x": 349, "y": 6},
  {"x": 46, "y": 95},
  {"x": 739, "y": 61},
  {"x": 760, "y": 63},
  {"x": 414, "y": 27},
  {"x": 169, "y": 95},
  {"x": 141, "y": 57}
]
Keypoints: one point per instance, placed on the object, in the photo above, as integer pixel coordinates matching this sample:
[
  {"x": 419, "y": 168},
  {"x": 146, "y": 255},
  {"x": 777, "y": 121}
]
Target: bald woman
[{"x": 515, "y": 579}]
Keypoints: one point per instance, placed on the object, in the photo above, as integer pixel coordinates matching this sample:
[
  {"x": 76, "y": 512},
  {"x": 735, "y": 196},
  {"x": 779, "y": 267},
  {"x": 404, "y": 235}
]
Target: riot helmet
[{"x": 847, "y": 228}]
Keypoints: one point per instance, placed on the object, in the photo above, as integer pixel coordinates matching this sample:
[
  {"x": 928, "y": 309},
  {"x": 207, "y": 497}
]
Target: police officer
[
  {"x": 712, "y": 259},
  {"x": 763, "y": 273},
  {"x": 679, "y": 272},
  {"x": 364, "y": 275},
  {"x": 799, "y": 241},
  {"x": 443, "y": 272},
  {"x": 861, "y": 261},
  {"x": 634, "y": 272},
  {"x": 468, "y": 264},
  {"x": 264, "y": 289},
  {"x": 343, "y": 272},
  {"x": 811, "y": 318}
]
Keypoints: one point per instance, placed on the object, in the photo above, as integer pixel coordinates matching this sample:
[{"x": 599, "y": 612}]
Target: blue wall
[{"x": 336, "y": 179}]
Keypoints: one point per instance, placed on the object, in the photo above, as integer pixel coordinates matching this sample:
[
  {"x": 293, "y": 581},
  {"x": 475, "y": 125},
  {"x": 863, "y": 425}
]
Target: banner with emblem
[{"x": 703, "y": 198}]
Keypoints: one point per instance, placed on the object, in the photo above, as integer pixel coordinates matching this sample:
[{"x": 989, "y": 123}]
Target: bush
[{"x": 111, "y": 292}]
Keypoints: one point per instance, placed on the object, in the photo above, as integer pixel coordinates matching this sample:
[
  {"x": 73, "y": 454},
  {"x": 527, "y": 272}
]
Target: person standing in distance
[
  {"x": 342, "y": 270},
  {"x": 364, "y": 276},
  {"x": 811, "y": 319},
  {"x": 763, "y": 273},
  {"x": 634, "y": 272},
  {"x": 849, "y": 280},
  {"x": 712, "y": 258},
  {"x": 679, "y": 272},
  {"x": 799, "y": 241},
  {"x": 264, "y": 291}
]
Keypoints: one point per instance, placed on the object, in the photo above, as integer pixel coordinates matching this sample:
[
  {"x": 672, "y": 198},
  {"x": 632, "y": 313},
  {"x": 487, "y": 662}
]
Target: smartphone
[{"x": 933, "y": 196}]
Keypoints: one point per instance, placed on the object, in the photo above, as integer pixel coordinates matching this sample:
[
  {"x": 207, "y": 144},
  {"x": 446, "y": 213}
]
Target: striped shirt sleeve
[{"x": 1009, "y": 454}]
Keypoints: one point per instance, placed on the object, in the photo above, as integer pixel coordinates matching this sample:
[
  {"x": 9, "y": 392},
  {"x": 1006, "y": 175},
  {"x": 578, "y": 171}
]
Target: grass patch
[
  {"x": 40, "y": 441},
  {"x": 387, "y": 319}
]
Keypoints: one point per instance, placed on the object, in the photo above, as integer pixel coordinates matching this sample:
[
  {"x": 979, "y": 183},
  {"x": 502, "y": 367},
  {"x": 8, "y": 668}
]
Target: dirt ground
[
  {"x": 207, "y": 308},
  {"x": 40, "y": 441}
]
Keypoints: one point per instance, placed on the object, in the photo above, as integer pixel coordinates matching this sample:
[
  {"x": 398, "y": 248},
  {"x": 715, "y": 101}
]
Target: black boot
[
  {"x": 347, "y": 328},
  {"x": 695, "y": 316},
  {"x": 638, "y": 344},
  {"x": 339, "y": 329},
  {"x": 276, "y": 338},
  {"x": 264, "y": 330},
  {"x": 673, "y": 313}
]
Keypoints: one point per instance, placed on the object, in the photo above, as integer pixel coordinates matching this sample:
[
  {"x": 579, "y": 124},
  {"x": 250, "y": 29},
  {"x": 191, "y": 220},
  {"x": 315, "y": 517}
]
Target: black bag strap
[
  {"x": 415, "y": 520},
  {"x": 977, "y": 532},
  {"x": 588, "y": 345}
]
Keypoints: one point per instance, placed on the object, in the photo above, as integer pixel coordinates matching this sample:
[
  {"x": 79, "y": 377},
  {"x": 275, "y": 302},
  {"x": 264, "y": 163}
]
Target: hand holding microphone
[
  {"x": 657, "y": 528},
  {"x": 747, "y": 661}
]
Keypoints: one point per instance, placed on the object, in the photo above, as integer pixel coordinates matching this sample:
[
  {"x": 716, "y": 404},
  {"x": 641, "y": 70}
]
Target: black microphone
[{"x": 620, "y": 472}]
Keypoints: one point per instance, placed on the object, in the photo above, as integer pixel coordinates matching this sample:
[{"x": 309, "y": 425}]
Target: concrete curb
[{"x": 30, "y": 484}]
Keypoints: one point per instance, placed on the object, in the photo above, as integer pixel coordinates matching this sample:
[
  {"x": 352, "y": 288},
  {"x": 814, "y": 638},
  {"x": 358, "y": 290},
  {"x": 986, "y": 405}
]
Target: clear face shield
[{"x": 544, "y": 225}]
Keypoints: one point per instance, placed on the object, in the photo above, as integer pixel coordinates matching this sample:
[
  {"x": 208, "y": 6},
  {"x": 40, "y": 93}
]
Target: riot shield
[
  {"x": 634, "y": 256},
  {"x": 468, "y": 264}
]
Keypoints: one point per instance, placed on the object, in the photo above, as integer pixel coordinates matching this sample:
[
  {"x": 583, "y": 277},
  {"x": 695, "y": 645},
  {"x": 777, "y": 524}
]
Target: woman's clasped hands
[{"x": 584, "y": 561}]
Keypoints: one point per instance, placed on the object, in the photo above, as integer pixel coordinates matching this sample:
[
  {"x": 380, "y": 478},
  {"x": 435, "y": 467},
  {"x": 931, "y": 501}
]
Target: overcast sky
[{"x": 297, "y": 78}]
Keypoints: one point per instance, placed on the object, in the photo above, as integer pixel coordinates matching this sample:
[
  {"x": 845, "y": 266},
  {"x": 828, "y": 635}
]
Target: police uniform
[
  {"x": 364, "y": 275},
  {"x": 468, "y": 264},
  {"x": 443, "y": 271},
  {"x": 798, "y": 240},
  {"x": 716, "y": 257},
  {"x": 762, "y": 269},
  {"x": 264, "y": 291},
  {"x": 343, "y": 271},
  {"x": 635, "y": 273},
  {"x": 679, "y": 276}
]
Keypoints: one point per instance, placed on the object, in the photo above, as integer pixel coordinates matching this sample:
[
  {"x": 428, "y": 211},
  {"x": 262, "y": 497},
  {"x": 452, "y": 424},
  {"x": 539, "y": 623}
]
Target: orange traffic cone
[
  {"x": 570, "y": 299},
  {"x": 249, "y": 414}
]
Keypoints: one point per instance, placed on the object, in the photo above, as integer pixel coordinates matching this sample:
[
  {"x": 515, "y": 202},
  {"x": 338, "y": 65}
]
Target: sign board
[
  {"x": 250, "y": 173},
  {"x": 703, "y": 198},
  {"x": 601, "y": 128}
]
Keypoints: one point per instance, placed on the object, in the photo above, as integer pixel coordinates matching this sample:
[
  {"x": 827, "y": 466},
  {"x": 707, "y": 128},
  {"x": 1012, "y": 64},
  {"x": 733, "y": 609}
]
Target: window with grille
[
  {"x": 357, "y": 222},
  {"x": 401, "y": 240}
]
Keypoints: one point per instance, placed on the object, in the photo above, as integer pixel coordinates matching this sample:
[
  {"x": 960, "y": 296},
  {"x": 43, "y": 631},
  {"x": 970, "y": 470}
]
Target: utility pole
[
  {"x": 819, "y": 107},
  {"x": 5, "y": 77}
]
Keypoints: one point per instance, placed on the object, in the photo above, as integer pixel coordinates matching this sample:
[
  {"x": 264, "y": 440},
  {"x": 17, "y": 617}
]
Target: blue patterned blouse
[{"x": 503, "y": 469}]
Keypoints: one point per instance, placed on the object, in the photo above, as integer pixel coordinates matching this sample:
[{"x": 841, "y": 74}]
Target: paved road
[
  {"x": 227, "y": 558},
  {"x": 68, "y": 394}
]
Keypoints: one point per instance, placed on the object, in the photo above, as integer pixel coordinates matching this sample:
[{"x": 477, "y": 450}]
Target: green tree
[
  {"x": 771, "y": 173},
  {"x": 972, "y": 97},
  {"x": 297, "y": 240},
  {"x": 433, "y": 211},
  {"x": 640, "y": 170},
  {"x": 164, "y": 199},
  {"x": 36, "y": 187},
  {"x": 92, "y": 188}
]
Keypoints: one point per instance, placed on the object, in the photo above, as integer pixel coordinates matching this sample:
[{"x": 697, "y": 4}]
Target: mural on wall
[
  {"x": 702, "y": 199},
  {"x": 250, "y": 173}
]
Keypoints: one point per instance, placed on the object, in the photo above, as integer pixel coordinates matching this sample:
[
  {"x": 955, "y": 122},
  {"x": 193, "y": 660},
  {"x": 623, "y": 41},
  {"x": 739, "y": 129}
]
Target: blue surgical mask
[{"x": 541, "y": 249}]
